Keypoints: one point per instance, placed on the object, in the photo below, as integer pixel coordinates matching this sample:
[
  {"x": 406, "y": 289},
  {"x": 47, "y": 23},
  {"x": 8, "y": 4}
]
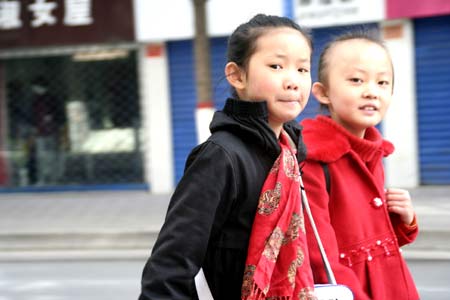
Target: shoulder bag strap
[{"x": 328, "y": 270}]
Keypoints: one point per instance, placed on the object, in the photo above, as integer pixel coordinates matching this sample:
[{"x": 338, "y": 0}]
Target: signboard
[
  {"x": 321, "y": 13},
  {"x": 416, "y": 8},
  {"x": 63, "y": 22},
  {"x": 165, "y": 20}
]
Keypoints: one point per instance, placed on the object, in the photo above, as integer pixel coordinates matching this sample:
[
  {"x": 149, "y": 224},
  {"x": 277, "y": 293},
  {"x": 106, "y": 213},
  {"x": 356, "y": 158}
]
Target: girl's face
[
  {"x": 359, "y": 84},
  {"x": 278, "y": 72}
]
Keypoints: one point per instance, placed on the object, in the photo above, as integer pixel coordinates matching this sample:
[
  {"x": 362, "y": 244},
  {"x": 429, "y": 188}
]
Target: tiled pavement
[{"x": 64, "y": 225}]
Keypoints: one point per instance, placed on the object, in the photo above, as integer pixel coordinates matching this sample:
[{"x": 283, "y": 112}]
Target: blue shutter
[
  {"x": 432, "y": 45},
  {"x": 184, "y": 96},
  {"x": 183, "y": 101}
]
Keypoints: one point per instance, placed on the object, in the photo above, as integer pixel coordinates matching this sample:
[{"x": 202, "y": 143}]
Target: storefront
[{"x": 71, "y": 108}]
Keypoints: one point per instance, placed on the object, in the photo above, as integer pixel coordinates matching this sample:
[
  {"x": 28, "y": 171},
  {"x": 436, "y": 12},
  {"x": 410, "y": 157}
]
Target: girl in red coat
[{"x": 361, "y": 222}]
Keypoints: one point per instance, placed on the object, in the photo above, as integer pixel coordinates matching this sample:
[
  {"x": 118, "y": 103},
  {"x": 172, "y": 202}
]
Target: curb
[
  {"x": 411, "y": 255},
  {"x": 88, "y": 241},
  {"x": 144, "y": 254},
  {"x": 430, "y": 245},
  {"x": 74, "y": 255}
]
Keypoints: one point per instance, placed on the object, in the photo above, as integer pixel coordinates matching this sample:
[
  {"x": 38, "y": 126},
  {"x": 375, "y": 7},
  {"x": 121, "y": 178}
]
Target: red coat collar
[{"x": 328, "y": 141}]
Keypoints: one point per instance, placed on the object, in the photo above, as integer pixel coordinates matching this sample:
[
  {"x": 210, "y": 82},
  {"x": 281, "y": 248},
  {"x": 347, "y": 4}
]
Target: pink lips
[{"x": 368, "y": 107}]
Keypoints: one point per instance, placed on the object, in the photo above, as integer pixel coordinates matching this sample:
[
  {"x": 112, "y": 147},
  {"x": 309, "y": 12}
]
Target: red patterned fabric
[{"x": 277, "y": 265}]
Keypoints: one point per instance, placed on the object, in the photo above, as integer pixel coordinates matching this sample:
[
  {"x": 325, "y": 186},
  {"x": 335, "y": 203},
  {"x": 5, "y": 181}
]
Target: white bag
[
  {"x": 203, "y": 291},
  {"x": 322, "y": 291},
  {"x": 332, "y": 292}
]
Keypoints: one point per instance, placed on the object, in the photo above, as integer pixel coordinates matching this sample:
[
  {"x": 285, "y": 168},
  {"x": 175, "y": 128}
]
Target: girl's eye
[
  {"x": 276, "y": 67},
  {"x": 355, "y": 80},
  {"x": 384, "y": 82},
  {"x": 303, "y": 70}
]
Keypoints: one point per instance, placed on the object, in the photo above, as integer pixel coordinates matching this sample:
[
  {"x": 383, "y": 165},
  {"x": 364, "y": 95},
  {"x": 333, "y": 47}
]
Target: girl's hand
[{"x": 399, "y": 201}]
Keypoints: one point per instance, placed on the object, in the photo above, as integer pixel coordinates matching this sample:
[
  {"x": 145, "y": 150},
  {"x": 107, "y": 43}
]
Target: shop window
[{"x": 71, "y": 120}]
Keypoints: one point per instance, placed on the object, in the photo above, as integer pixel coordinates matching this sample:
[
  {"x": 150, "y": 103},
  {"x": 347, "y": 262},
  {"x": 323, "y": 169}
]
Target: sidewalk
[
  {"x": 80, "y": 224},
  {"x": 125, "y": 224}
]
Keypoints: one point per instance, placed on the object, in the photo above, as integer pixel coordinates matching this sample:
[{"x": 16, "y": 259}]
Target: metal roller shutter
[
  {"x": 183, "y": 94},
  {"x": 432, "y": 45}
]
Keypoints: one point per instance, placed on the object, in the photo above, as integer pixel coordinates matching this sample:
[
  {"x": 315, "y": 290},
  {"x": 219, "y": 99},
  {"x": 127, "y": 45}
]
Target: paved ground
[{"x": 126, "y": 223}]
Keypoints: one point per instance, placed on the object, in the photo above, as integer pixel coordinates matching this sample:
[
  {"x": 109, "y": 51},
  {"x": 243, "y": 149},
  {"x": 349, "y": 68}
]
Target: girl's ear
[
  {"x": 235, "y": 76},
  {"x": 320, "y": 93}
]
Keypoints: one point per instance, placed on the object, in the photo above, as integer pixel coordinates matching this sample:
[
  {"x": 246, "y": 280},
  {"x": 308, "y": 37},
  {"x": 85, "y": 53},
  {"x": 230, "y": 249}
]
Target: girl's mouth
[{"x": 368, "y": 108}]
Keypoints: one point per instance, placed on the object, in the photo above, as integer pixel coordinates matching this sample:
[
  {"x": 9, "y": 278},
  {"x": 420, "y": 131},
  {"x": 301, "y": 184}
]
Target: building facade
[
  {"x": 416, "y": 38},
  {"x": 129, "y": 98},
  {"x": 70, "y": 110}
]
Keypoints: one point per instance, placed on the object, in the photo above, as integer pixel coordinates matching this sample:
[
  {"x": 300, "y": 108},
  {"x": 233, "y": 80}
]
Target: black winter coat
[{"x": 211, "y": 212}]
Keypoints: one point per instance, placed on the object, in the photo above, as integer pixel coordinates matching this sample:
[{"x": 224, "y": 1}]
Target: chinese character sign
[
  {"x": 43, "y": 13},
  {"x": 10, "y": 15},
  {"x": 78, "y": 12},
  {"x": 54, "y": 22}
]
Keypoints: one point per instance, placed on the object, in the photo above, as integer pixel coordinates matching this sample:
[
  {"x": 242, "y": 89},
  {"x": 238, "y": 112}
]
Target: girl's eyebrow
[
  {"x": 306, "y": 59},
  {"x": 364, "y": 71},
  {"x": 282, "y": 55}
]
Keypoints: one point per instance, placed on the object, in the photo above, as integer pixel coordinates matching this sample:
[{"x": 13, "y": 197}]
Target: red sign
[
  {"x": 155, "y": 50},
  {"x": 416, "y": 8},
  {"x": 25, "y": 23}
]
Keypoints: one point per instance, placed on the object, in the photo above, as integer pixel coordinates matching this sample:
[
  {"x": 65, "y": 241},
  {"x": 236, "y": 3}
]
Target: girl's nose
[
  {"x": 291, "y": 85},
  {"x": 370, "y": 92},
  {"x": 291, "y": 82}
]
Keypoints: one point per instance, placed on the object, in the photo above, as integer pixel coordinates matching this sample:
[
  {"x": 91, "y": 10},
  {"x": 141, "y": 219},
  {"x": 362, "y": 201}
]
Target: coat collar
[{"x": 328, "y": 141}]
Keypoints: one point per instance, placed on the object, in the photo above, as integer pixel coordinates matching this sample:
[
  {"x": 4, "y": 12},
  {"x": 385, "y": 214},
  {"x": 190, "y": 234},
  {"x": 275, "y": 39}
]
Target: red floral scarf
[{"x": 277, "y": 265}]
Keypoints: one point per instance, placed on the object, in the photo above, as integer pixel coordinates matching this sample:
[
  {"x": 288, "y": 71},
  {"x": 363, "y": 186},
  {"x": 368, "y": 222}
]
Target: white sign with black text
[{"x": 324, "y": 13}]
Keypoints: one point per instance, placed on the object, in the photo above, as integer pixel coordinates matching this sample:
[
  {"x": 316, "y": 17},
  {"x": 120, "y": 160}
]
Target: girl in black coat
[{"x": 211, "y": 213}]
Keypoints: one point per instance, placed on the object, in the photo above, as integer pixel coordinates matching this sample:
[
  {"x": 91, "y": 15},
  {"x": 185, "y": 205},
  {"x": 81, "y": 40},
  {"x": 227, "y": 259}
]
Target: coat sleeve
[
  {"x": 182, "y": 242},
  {"x": 315, "y": 187},
  {"x": 405, "y": 234}
]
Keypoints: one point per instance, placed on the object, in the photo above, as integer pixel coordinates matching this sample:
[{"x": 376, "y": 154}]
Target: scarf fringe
[{"x": 258, "y": 294}]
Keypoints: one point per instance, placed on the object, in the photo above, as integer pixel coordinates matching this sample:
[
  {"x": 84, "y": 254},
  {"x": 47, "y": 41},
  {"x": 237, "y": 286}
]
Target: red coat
[{"x": 361, "y": 238}]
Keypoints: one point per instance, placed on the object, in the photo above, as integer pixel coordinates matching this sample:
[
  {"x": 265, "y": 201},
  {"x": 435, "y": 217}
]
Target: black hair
[
  {"x": 242, "y": 42},
  {"x": 370, "y": 35}
]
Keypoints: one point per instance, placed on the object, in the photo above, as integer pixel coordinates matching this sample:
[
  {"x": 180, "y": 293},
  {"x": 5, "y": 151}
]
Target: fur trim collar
[{"x": 328, "y": 141}]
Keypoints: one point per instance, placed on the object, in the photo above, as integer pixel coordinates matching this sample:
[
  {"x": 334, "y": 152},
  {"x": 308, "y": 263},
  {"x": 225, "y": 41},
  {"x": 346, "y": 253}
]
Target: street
[
  {"x": 432, "y": 278},
  {"x": 120, "y": 279},
  {"x": 70, "y": 280}
]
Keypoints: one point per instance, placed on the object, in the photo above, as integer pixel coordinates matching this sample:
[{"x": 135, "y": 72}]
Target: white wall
[
  {"x": 157, "y": 20},
  {"x": 157, "y": 120},
  {"x": 400, "y": 124}
]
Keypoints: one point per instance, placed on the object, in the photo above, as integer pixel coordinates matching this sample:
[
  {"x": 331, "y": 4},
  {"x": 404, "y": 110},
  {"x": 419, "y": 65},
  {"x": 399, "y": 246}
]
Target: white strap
[{"x": 326, "y": 263}]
